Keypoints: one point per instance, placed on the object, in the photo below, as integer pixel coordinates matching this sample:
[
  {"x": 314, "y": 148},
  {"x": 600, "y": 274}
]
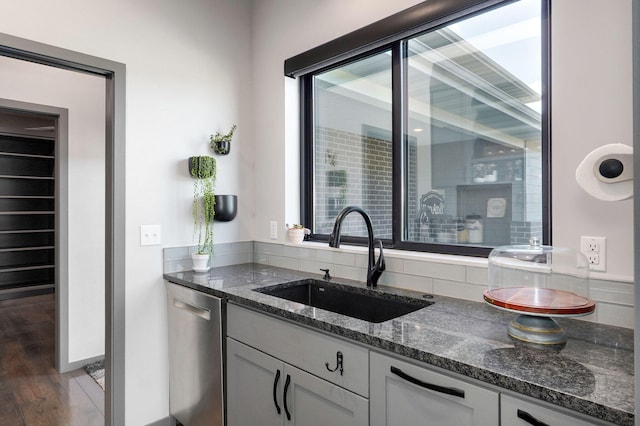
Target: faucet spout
[{"x": 374, "y": 268}]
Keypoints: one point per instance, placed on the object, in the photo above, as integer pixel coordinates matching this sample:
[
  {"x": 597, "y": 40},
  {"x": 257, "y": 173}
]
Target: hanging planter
[
  {"x": 222, "y": 147},
  {"x": 221, "y": 144},
  {"x": 202, "y": 167},
  {"x": 203, "y": 170},
  {"x": 226, "y": 207}
]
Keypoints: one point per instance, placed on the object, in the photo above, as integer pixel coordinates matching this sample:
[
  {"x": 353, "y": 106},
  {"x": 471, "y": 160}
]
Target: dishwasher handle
[{"x": 192, "y": 309}]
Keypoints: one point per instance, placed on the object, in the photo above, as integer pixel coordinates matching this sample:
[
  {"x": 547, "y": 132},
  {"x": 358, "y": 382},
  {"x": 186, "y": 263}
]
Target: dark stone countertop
[{"x": 592, "y": 374}]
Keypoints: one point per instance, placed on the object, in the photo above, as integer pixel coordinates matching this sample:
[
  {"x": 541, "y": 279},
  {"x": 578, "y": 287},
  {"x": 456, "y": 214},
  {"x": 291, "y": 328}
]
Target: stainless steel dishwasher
[{"x": 196, "y": 385}]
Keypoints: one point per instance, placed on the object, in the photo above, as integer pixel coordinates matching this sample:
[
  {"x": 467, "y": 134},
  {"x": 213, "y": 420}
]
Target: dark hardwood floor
[{"x": 31, "y": 390}]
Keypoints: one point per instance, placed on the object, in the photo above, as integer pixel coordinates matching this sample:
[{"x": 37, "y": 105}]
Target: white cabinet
[
  {"x": 301, "y": 347},
  {"x": 281, "y": 373},
  {"x": 268, "y": 390},
  {"x": 406, "y": 394},
  {"x": 254, "y": 386},
  {"x": 519, "y": 412},
  {"x": 315, "y": 402}
]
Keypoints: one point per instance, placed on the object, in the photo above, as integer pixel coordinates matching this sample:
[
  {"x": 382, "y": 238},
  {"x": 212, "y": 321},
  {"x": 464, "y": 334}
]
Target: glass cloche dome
[{"x": 539, "y": 282}]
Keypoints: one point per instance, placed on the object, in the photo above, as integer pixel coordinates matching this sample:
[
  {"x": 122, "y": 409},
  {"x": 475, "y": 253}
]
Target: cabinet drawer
[
  {"x": 301, "y": 347},
  {"x": 519, "y": 412},
  {"x": 404, "y": 393}
]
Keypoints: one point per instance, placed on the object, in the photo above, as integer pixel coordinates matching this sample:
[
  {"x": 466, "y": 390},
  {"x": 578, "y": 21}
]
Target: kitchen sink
[{"x": 365, "y": 304}]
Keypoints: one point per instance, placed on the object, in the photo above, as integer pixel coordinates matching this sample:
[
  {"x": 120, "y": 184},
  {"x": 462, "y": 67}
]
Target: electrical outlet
[
  {"x": 595, "y": 249},
  {"x": 273, "y": 230},
  {"x": 594, "y": 259}
]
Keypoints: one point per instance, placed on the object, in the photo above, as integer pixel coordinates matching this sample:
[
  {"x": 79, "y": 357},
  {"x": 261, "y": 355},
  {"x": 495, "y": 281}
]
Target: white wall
[
  {"x": 188, "y": 75},
  {"x": 84, "y": 96},
  {"x": 591, "y": 106},
  {"x": 281, "y": 29}
]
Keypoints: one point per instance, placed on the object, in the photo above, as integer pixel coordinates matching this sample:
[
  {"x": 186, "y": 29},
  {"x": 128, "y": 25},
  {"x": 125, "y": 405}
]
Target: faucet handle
[
  {"x": 378, "y": 268},
  {"x": 380, "y": 264}
]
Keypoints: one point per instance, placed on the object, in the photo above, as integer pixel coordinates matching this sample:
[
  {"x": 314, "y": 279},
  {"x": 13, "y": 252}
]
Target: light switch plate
[{"x": 150, "y": 235}]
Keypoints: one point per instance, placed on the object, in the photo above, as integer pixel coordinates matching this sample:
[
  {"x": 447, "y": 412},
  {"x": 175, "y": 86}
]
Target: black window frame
[{"x": 392, "y": 33}]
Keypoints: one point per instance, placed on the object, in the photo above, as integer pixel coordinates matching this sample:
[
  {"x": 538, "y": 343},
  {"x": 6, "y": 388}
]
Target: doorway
[
  {"x": 34, "y": 238},
  {"x": 27, "y": 203},
  {"x": 114, "y": 74}
]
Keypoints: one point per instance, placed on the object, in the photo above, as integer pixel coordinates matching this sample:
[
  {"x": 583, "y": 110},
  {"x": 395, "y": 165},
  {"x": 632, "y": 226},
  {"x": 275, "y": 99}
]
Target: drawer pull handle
[
  {"x": 284, "y": 400},
  {"x": 275, "y": 389},
  {"x": 530, "y": 419},
  {"x": 339, "y": 365},
  {"x": 192, "y": 309},
  {"x": 449, "y": 391}
]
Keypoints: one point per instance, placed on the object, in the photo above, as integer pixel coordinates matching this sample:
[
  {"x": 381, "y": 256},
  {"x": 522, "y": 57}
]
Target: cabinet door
[
  {"x": 405, "y": 394},
  {"x": 311, "y": 401},
  {"x": 301, "y": 347},
  {"x": 254, "y": 387},
  {"x": 518, "y": 412}
]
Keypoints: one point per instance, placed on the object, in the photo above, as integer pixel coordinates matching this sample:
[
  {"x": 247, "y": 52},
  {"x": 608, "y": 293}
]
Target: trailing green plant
[
  {"x": 218, "y": 138},
  {"x": 203, "y": 171}
]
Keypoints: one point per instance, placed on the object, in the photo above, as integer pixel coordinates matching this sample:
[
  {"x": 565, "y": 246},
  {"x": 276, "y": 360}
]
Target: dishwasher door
[{"x": 195, "y": 357}]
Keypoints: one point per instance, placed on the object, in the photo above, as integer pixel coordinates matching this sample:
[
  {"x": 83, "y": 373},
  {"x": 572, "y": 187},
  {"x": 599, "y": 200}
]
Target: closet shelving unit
[{"x": 27, "y": 215}]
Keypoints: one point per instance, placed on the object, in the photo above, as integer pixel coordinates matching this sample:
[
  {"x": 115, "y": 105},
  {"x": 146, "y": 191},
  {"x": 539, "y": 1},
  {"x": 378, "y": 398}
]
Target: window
[
  {"x": 352, "y": 147},
  {"x": 440, "y": 135}
]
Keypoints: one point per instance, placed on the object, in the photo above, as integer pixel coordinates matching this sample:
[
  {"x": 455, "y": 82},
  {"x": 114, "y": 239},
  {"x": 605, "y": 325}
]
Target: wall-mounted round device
[{"x": 606, "y": 173}]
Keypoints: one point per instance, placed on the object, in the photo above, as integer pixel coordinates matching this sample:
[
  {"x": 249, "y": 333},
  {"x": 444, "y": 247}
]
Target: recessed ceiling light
[{"x": 418, "y": 130}]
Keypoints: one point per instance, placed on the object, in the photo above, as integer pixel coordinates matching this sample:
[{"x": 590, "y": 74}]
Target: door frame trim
[{"x": 114, "y": 73}]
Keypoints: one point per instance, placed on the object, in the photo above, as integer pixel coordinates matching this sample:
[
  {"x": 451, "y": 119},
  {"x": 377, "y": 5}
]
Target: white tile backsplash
[
  {"x": 313, "y": 267},
  {"x": 612, "y": 314},
  {"x": 178, "y": 259},
  {"x": 176, "y": 253},
  {"x": 612, "y": 292},
  {"x": 435, "y": 270},
  {"x": 232, "y": 259},
  {"x": 298, "y": 252},
  {"x": 477, "y": 275},
  {"x": 349, "y": 272},
  {"x": 464, "y": 279},
  {"x": 284, "y": 262},
  {"x": 394, "y": 264},
  {"x": 271, "y": 249},
  {"x": 409, "y": 282},
  {"x": 336, "y": 257},
  {"x": 459, "y": 290}
]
